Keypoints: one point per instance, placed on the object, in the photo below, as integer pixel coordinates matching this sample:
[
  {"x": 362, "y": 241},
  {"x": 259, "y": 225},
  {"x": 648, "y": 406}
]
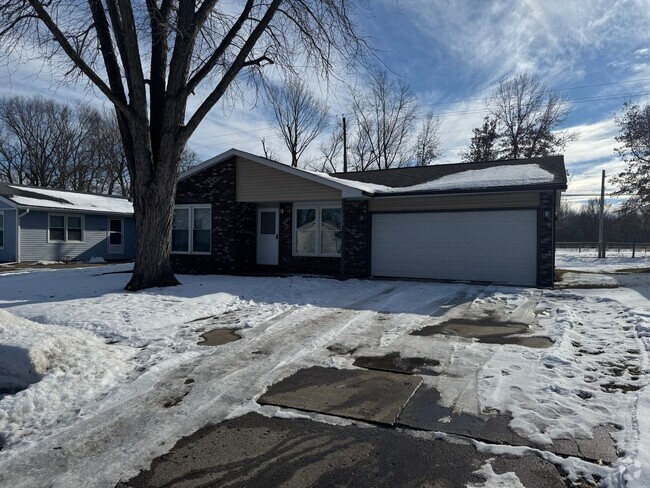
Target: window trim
[
  {"x": 318, "y": 228},
  {"x": 190, "y": 229},
  {"x": 65, "y": 228},
  {"x": 2, "y": 228}
]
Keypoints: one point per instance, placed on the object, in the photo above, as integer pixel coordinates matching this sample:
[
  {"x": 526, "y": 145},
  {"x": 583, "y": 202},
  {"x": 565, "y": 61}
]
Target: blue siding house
[{"x": 38, "y": 224}]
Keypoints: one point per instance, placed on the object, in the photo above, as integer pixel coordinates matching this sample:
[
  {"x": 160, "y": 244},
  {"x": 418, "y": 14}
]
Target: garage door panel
[{"x": 498, "y": 246}]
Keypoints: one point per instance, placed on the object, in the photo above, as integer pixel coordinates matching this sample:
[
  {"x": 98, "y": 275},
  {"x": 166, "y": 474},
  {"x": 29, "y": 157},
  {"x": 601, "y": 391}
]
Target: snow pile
[
  {"x": 58, "y": 369},
  {"x": 96, "y": 259},
  {"x": 71, "y": 201},
  {"x": 493, "y": 480}
]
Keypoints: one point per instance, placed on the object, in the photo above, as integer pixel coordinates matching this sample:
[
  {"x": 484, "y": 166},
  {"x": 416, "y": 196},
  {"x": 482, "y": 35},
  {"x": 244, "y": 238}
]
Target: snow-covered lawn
[{"x": 114, "y": 379}]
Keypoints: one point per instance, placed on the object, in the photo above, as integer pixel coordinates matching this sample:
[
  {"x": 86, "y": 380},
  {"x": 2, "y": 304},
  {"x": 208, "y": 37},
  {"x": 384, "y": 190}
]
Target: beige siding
[
  {"x": 455, "y": 202},
  {"x": 259, "y": 183}
]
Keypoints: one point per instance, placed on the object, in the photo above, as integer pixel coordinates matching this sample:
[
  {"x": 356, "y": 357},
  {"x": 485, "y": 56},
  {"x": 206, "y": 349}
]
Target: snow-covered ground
[{"x": 108, "y": 372}]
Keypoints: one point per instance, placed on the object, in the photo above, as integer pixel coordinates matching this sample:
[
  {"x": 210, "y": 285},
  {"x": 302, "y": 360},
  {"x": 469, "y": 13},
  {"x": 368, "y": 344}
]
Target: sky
[{"x": 452, "y": 53}]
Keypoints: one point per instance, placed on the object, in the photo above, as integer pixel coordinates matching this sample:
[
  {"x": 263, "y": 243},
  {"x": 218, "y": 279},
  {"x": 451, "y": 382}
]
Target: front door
[
  {"x": 116, "y": 236},
  {"x": 267, "y": 236}
]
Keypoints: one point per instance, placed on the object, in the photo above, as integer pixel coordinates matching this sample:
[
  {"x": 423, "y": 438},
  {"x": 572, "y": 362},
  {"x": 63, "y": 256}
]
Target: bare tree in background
[
  {"x": 524, "y": 121},
  {"x": 384, "y": 118},
  {"x": 297, "y": 115},
  {"x": 150, "y": 59},
  {"x": 427, "y": 143},
  {"x": 331, "y": 151},
  {"x": 528, "y": 115}
]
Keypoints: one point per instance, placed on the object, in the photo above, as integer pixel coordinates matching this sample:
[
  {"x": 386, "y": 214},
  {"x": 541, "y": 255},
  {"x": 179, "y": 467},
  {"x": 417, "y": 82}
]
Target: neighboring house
[
  {"x": 39, "y": 224},
  {"x": 484, "y": 222}
]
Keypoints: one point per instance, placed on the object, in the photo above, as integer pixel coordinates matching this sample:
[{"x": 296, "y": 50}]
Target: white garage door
[{"x": 496, "y": 246}]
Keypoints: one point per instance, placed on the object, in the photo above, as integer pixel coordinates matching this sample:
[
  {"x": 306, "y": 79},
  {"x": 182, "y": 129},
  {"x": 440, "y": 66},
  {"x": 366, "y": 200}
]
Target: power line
[{"x": 460, "y": 112}]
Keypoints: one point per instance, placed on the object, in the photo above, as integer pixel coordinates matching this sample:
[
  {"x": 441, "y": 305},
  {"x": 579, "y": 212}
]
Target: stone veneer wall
[
  {"x": 356, "y": 242},
  {"x": 546, "y": 239},
  {"x": 234, "y": 237}
]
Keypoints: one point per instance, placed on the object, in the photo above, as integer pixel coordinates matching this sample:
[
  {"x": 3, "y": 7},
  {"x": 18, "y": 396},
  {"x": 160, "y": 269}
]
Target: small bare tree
[
  {"x": 297, "y": 115},
  {"x": 427, "y": 143},
  {"x": 151, "y": 58},
  {"x": 384, "y": 115}
]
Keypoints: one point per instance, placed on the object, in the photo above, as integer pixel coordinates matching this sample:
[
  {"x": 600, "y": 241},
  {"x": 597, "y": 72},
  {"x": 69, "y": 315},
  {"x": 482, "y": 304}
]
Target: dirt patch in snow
[
  {"x": 218, "y": 337},
  {"x": 487, "y": 331}
]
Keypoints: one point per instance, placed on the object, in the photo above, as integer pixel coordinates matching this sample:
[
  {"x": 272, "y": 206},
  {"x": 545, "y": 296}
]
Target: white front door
[
  {"x": 115, "y": 236},
  {"x": 268, "y": 221}
]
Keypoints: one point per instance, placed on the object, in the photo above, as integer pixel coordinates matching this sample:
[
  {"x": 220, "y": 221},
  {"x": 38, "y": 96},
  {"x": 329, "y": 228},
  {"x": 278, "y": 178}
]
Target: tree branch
[
  {"x": 209, "y": 65},
  {"x": 76, "y": 58},
  {"x": 232, "y": 72}
]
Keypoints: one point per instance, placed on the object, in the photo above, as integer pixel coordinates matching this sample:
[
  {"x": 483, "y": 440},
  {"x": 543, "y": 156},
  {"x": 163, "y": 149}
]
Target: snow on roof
[
  {"x": 492, "y": 177},
  {"x": 64, "y": 200}
]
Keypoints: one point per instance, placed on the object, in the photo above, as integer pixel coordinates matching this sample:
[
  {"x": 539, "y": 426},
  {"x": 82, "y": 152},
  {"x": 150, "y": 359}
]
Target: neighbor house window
[
  {"x": 66, "y": 228},
  {"x": 192, "y": 229},
  {"x": 317, "y": 230},
  {"x": 2, "y": 230}
]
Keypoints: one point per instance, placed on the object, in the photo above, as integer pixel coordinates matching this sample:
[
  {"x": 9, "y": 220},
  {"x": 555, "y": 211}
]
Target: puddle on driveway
[
  {"x": 487, "y": 331},
  {"x": 394, "y": 363},
  {"x": 218, "y": 337}
]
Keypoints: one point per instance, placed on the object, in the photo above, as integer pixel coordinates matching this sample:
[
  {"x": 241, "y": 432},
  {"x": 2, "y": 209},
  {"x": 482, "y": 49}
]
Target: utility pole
[
  {"x": 601, "y": 227},
  {"x": 345, "y": 147}
]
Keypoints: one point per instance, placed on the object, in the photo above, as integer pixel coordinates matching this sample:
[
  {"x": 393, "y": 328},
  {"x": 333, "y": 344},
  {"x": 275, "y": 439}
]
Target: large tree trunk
[{"x": 154, "y": 192}]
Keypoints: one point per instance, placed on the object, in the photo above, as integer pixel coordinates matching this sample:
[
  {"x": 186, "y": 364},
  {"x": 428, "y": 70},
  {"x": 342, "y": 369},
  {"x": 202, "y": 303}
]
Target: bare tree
[
  {"x": 331, "y": 151},
  {"x": 149, "y": 59},
  {"x": 297, "y": 115},
  {"x": 384, "y": 116},
  {"x": 427, "y": 143},
  {"x": 528, "y": 115},
  {"x": 634, "y": 137},
  {"x": 483, "y": 145}
]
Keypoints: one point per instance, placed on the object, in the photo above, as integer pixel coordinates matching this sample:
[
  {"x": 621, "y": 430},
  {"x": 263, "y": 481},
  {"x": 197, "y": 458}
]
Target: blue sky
[{"x": 452, "y": 53}]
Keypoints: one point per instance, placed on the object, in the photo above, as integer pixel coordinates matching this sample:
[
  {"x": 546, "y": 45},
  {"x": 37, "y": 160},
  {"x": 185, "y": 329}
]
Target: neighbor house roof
[
  {"x": 46, "y": 199},
  {"x": 533, "y": 173}
]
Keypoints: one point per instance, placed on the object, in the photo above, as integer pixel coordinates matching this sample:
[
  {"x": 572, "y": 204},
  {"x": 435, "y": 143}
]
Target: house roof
[
  {"x": 534, "y": 173},
  {"x": 507, "y": 175},
  {"x": 46, "y": 199}
]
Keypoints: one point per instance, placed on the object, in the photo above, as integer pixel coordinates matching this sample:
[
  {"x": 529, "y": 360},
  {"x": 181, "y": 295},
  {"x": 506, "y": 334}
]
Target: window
[
  {"x": 317, "y": 230},
  {"x": 66, "y": 228},
  {"x": 2, "y": 230},
  {"x": 192, "y": 229}
]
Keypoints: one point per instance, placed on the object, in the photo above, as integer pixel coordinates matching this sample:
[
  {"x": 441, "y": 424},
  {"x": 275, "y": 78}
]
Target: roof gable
[{"x": 348, "y": 188}]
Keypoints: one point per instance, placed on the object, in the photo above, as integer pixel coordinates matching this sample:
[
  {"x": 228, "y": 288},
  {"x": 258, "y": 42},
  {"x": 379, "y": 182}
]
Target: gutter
[
  {"x": 18, "y": 217},
  {"x": 502, "y": 189}
]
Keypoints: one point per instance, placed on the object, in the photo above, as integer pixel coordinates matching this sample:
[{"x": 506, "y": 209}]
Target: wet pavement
[
  {"x": 256, "y": 451},
  {"x": 486, "y": 331},
  {"x": 394, "y": 363},
  {"x": 218, "y": 337},
  {"x": 371, "y": 396}
]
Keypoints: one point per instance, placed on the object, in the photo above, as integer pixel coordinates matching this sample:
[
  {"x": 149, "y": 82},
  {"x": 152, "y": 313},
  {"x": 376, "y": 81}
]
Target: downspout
[
  {"x": 18, "y": 217},
  {"x": 343, "y": 202}
]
